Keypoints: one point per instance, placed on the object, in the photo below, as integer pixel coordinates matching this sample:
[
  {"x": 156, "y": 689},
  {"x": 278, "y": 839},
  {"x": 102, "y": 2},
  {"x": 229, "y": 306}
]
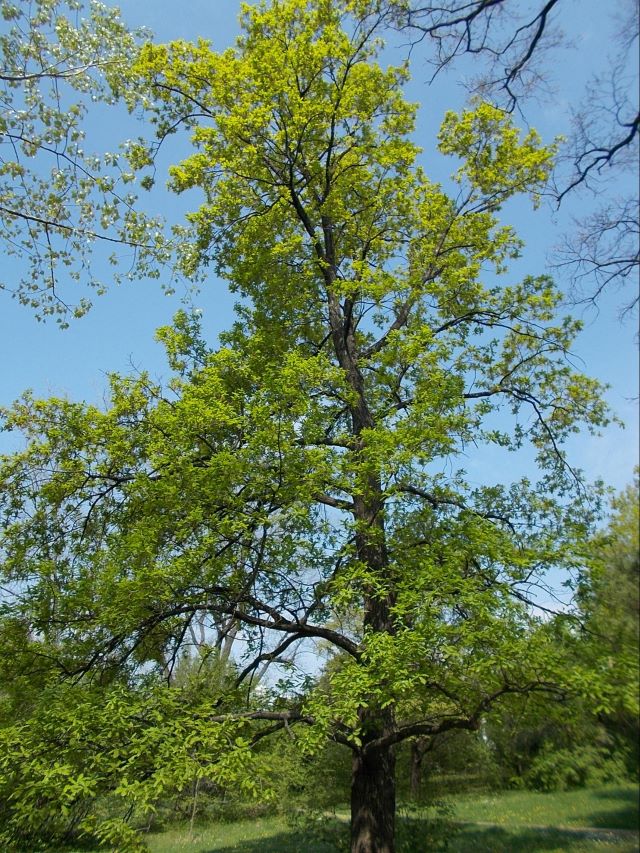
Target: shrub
[{"x": 563, "y": 769}]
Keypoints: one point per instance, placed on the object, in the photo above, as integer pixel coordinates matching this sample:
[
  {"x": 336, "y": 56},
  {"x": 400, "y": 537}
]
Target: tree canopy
[{"x": 59, "y": 59}]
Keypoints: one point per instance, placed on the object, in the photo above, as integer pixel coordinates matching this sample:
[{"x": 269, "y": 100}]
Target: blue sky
[{"x": 118, "y": 332}]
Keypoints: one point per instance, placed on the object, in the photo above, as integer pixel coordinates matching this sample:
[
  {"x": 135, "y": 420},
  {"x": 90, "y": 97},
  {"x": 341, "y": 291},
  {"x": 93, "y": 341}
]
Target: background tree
[
  {"x": 608, "y": 598},
  {"x": 56, "y": 198},
  {"x": 514, "y": 46},
  {"x": 309, "y": 469},
  {"x": 573, "y": 742}
]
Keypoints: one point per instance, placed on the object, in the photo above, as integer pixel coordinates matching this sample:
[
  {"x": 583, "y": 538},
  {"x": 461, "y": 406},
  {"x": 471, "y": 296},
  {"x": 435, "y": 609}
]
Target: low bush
[{"x": 583, "y": 767}]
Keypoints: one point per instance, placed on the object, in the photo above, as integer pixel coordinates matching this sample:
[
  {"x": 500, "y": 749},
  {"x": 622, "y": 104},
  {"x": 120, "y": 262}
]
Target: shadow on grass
[
  {"x": 471, "y": 839},
  {"x": 628, "y": 794},
  {"x": 284, "y": 842},
  {"x": 625, "y": 817},
  {"x": 523, "y": 840}
]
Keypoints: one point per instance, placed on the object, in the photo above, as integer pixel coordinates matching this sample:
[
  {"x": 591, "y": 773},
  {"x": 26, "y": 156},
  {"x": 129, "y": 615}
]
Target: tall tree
[{"x": 303, "y": 481}]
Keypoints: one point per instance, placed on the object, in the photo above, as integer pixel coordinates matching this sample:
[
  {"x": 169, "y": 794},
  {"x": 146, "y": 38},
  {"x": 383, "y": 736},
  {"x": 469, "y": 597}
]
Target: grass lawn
[
  {"x": 273, "y": 836},
  {"x": 517, "y": 817},
  {"x": 265, "y": 835},
  {"x": 522, "y": 840},
  {"x": 510, "y": 822},
  {"x": 610, "y": 808}
]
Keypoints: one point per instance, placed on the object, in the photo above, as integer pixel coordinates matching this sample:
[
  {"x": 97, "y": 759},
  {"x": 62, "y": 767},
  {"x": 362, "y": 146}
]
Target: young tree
[{"x": 304, "y": 480}]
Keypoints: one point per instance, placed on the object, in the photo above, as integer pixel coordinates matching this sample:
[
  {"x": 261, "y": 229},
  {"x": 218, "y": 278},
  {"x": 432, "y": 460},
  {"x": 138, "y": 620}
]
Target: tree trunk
[
  {"x": 418, "y": 749},
  {"x": 415, "y": 777},
  {"x": 373, "y": 801}
]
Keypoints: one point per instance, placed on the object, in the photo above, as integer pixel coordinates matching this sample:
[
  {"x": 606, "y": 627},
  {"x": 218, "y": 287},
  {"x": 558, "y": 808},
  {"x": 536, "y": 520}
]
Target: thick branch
[{"x": 469, "y": 723}]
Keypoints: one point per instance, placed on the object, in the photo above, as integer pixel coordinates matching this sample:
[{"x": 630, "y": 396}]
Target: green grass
[
  {"x": 609, "y": 808},
  {"x": 508, "y": 822},
  {"x": 516, "y": 815},
  {"x": 273, "y": 836},
  {"x": 264, "y": 835},
  {"x": 511, "y": 821}
]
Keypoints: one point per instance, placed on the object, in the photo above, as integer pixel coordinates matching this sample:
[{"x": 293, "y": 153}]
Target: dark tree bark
[
  {"x": 373, "y": 801},
  {"x": 373, "y": 784}
]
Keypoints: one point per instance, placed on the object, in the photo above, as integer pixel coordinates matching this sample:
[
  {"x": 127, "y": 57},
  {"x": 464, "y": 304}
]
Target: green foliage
[
  {"x": 523, "y": 727},
  {"x": 581, "y": 767},
  {"x": 88, "y": 760},
  {"x": 312, "y": 784},
  {"x": 321, "y": 828},
  {"x": 608, "y": 595},
  {"x": 310, "y": 788},
  {"x": 493, "y": 153}
]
